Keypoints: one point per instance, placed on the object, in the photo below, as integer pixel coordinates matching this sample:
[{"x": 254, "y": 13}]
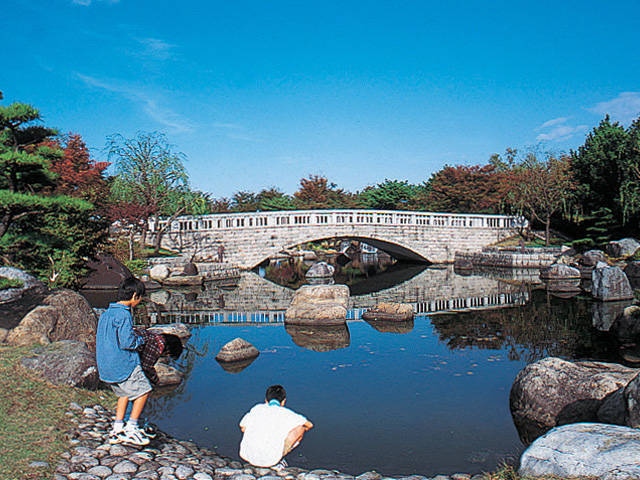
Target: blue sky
[{"x": 263, "y": 93}]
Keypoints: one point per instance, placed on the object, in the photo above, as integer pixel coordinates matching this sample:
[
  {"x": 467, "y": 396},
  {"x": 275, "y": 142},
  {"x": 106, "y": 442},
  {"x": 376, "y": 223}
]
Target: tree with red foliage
[
  {"x": 78, "y": 175},
  {"x": 467, "y": 189},
  {"x": 316, "y": 192}
]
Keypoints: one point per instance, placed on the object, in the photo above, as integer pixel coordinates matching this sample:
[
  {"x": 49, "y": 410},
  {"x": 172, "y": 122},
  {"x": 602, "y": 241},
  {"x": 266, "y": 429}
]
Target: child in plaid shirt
[{"x": 155, "y": 345}]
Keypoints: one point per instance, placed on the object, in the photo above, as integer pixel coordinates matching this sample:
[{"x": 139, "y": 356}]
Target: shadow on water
[{"x": 428, "y": 396}]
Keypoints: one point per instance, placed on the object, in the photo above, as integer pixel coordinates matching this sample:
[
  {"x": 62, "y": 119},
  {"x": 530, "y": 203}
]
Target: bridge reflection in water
[{"x": 259, "y": 301}]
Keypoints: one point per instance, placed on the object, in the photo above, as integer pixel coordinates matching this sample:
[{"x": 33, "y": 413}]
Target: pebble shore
[{"x": 91, "y": 457}]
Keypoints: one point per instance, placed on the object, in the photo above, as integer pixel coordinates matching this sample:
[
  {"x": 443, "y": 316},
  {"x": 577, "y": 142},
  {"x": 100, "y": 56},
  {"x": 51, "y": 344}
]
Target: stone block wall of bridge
[{"x": 247, "y": 239}]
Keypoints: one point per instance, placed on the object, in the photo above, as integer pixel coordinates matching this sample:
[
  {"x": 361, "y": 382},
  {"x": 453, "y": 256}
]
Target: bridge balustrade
[
  {"x": 338, "y": 217},
  {"x": 435, "y": 306}
]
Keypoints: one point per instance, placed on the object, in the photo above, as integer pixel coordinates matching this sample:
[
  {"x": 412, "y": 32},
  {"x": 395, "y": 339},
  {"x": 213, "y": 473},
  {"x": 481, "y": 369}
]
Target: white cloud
[
  {"x": 150, "y": 105},
  {"x": 551, "y": 123},
  {"x": 559, "y": 129},
  {"x": 157, "y": 48},
  {"x": 87, "y": 3},
  {"x": 624, "y": 108}
]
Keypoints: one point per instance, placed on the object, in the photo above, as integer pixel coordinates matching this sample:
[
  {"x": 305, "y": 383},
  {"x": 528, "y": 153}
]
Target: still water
[{"x": 427, "y": 397}]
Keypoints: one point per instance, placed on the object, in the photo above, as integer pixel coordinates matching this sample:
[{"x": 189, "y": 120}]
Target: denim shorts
[{"x": 133, "y": 387}]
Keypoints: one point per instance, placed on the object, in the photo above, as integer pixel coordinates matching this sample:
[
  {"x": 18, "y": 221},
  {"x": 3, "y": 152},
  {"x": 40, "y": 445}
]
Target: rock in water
[
  {"x": 593, "y": 450},
  {"x": 399, "y": 312},
  {"x": 237, "y": 350},
  {"x": 554, "y": 392},
  {"x": 319, "y": 305},
  {"x": 610, "y": 283}
]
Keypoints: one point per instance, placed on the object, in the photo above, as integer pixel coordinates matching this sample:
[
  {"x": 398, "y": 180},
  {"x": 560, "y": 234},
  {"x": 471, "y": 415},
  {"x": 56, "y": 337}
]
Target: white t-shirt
[{"x": 265, "y": 429}]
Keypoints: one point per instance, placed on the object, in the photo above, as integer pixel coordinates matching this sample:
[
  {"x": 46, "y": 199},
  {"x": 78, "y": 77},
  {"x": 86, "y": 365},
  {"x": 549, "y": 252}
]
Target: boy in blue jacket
[{"x": 119, "y": 362}]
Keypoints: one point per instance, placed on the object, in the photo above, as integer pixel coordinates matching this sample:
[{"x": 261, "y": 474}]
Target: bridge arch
[{"x": 247, "y": 239}]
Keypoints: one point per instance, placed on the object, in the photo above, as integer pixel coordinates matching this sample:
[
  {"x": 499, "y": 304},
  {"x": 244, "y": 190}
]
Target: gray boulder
[
  {"x": 320, "y": 270},
  {"x": 318, "y": 305},
  {"x": 29, "y": 283},
  {"x": 554, "y": 392},
  {"x": 623, "y": 248},
  {"x": 591, "y": 258},
  {"x": 632, "y": 269},
  {"x": 610, "y": 283},
  {"x": 180, "y": 330},
  {"x": 594, "y": 450},
  {"x": 237, "y": 350},
  {"x": 63, "y": 315},
  {"x": 167, "y": 375},
  {"x": 66, "y": 362},
  {"x": 159, "y": 272}
]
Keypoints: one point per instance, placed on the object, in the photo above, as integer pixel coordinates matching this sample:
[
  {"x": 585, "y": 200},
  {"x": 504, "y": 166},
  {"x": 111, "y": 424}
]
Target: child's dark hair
[
  {"x": 275, "y": 392},
  {"x": 172, "y": 345},
  {"x": 128, "y": 287}
]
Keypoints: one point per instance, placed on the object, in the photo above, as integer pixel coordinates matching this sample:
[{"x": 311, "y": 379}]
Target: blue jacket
[{"x": 116, "y": 344}]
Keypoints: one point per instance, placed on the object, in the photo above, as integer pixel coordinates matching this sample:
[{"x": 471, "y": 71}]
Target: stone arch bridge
[{"x": 247, "y": 239}]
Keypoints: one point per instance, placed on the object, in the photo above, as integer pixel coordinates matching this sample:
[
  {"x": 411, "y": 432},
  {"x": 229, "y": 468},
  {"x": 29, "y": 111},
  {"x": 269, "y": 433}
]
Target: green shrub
[{"x": 137, "y": 266}]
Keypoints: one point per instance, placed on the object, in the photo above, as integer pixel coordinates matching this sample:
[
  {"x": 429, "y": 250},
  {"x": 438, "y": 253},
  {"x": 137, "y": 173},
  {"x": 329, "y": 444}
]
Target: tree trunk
[
  {"x": 547, "y": 230},
  {"x": 131, "y": 252}
]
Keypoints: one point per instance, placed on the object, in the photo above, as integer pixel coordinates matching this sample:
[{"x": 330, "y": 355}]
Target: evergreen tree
[{"x": 47, "y": 234}]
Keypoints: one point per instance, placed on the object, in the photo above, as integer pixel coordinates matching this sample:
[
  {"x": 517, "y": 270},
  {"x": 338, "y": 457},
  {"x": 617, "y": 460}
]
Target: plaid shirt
[{"x": 153, "y": 347}]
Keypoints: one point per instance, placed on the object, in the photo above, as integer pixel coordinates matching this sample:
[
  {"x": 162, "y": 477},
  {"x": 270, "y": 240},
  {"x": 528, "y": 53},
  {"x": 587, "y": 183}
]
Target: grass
[
  {"x": 10, "y": 283},
  {"x": 32, "y": 417}
]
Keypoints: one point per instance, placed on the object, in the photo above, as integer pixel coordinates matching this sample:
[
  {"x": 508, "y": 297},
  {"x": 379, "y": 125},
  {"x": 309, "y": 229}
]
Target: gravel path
[{"x": 91, "y": 457}]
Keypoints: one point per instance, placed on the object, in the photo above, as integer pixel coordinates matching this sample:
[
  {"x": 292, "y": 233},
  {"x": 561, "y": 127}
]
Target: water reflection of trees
[{"x": 546, "y": 326}]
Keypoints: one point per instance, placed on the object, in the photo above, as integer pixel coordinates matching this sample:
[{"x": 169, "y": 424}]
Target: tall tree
[
  {"x": 599, "y": 167},
  {"x": 150, "y": 173},
  {"x": 630, "y": 188},
  {"x": 544, "y": 188},
  {"x": 78, "y": 174},
  {"x": 47, "y": 234},
  {"x": 316, "y": 192},
  {"x": 389, "y": 195},
  {"x": 467, "y": 189}
]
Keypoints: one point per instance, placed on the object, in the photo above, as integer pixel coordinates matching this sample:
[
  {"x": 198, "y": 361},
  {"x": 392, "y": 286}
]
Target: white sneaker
[
  {"x": 281, "y": 465},
  {"x": 130, "y": 435}
]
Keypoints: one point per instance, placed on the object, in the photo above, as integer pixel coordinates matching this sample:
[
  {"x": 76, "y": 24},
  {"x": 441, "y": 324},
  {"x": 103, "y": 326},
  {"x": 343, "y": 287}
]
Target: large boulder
[
  {"x": 105, "y": 273},
  {"x": 587, "y": 450},
  {"x": 610, "y": 283},
  {"x": 320, "y": 272},
  {"x": 319, "y": 305},
  {"x": 623, "y": 248},
  {"x": 590, "y": 259},
  {"x": 237, "y": 350},
  {"x": 159, "y": 272},
  {"x": 168, "y": 376},
  {"x": 180, "y": 330},
  {"x": 63, "y": 315},
  {"x": 397, "y": 312},
  {"x": 67, "y": 362},
  {"x": 554, "y": 392},
  {"x": 29, "y": 283}
]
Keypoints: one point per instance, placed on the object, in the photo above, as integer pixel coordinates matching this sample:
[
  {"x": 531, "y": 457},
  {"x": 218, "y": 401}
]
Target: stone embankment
[{"x": 91, "y": 457}]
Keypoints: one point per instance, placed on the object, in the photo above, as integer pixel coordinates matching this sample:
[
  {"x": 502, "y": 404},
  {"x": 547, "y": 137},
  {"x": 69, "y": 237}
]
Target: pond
[{"x": 429, "y": 397}]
